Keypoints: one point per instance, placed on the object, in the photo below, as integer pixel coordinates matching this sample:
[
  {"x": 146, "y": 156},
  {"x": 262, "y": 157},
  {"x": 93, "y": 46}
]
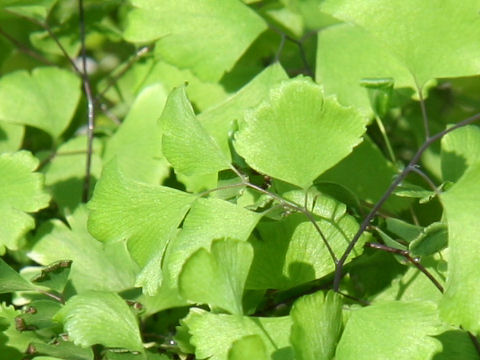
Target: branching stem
[
  {"x": 90, "y": 104},
  {"x": 389, "y": 191}
]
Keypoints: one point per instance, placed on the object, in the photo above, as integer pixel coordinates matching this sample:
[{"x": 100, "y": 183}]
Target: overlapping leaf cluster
[{"x": 235, "y": 156}]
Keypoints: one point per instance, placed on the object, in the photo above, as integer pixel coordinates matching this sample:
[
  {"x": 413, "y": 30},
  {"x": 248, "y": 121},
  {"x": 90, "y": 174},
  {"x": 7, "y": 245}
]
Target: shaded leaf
[
  {"x": 365, "y": 160},
  {"x": 432, "y": 239},
  {"x": 65, "y": 172},
  {"x": 46, "y": 98},
  {"x": 290, "y": 251},
  {"x": 90, "y": 317},
  {"x": 298, "y": 134},
  {"x": 137, "y": 143},
  {"x": 460, "y": 149}
]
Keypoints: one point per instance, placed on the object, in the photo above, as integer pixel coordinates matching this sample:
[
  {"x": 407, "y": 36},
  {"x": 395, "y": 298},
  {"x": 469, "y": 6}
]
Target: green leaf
[
  {"x": 420, "y": 35},
  {"x": 100, "y": 318},
  {"x": 395, "y": 327},
  {"x": 39, "y": 9},
  {"x": 96, "y": 266},
  {"x": 217, "y": 278},
  {"x": 208, "y": 219},
  {"x": 432, "y": 239},
  {"x": 21, "y": 192},
  {"x": 54, "y": 276},
  {"x": 146, "y": 216},
  {"x": 64, "y": 349},
  {"x": 298, "y": 134},
  {"x": 460, "y": 149},
  {"x": 346, "y": 54},
  {"x": 403, "y": 229},
  {"x": 290, "y": 252},
  {"x": 65, "y": 172},
  {"x": 189, "y": 43},
  {"x": 317, "y": 324},
  {"x": 248, "y": 347},
  {"x": 413, "y": 285},
  {"x": 11, "y": 281},
  {"x": 10, "y": 328},
  {"x": 186, "y": 144},
  {"x": 137, "y": 143},
  {"x": 214, "y": 334},
  {"x": 218, "y": 120},
  {"x": 46, "y": 98},
  {"x": 365, "y": 160},
  {"x": 461, "y": 300},
  {"x": 11, "y": 136},
  {"x": 456, "y": 344}
]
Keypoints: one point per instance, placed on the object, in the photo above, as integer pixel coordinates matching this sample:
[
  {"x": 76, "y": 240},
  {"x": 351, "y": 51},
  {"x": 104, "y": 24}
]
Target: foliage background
[{"x": 238, "y": 147}]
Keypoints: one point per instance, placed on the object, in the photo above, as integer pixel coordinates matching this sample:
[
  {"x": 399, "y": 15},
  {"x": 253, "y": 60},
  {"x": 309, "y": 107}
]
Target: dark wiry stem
[
  {"x": 407, "y": 256},
  {"x": 23, "y": 48},
  {"x": 90, "y": 104},
  {"x": 51, "y": 34},
  {"x": 389, "y": 191}
]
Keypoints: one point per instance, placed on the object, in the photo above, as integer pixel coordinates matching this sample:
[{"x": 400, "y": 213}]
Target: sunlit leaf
[
  {"x": 345, "y": 55},
  {"x": 11, "y": 281},
  {"x": 432, "y": 39},
  {"x": 46, "y": 98},
  {"x": 186, "y": 144},
  {"x": 21, "y": 193},
  {"x": 188, "y": 43},
  {"x": 405, "y": 329},
  {"x": 298, "y": 134},
  {"x": 146, "y": 216},
  {"x": 90, "y": 317},
  {"x": 462, "y": 294},
  {"x": 248, "y": 347},
  {"x": 217, "y": 278},
  {"x": 96, "y": 266},
  {"x": 317, "y": 323},
  {"x": 214, "y": 334}
]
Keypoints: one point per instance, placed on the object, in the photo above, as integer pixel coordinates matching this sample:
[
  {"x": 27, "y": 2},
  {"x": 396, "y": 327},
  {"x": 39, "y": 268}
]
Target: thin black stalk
[
  {"x": 408, "y": 257},
  {"x": 389, "y": 191},
  {"x": 426, "y": 179},
  {"x": 303, "y": 56},
  {"x": 299, "y": 209},
  {"x": 25, "y": 49},
  {"x": 51, "y": 34},
  {"x": 90, "y": 104}
]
